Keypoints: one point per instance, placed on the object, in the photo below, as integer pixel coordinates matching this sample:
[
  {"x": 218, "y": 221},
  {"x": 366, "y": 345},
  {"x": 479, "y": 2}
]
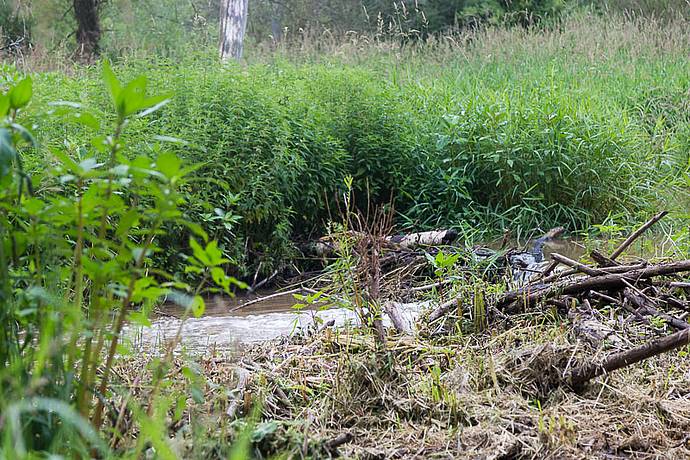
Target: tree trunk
[
  {"x": 233, "y": 23},
  {"x": 277, "y": 10},
  {"x": 88, "y": 27}
]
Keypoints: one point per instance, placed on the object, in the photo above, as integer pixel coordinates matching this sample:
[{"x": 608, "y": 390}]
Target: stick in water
[{"x": 636, "y": 234}]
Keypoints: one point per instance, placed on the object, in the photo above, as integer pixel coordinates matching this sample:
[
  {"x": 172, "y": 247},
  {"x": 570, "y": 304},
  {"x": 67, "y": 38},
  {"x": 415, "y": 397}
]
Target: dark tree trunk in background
[
  {"x": 88, "y": 27},
  {"x": 233, "y": 24}
]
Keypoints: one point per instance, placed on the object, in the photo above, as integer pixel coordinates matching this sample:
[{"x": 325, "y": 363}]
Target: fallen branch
[
  {"x": 399, "y": 323},
  {"x": 636, "y": 234},
  {"x": 531, "y": 294},
  {"x": 442, "y": 309},
  {"x": 430, "y": 238},
  {"x": 333, "y": 444},
  {"x": 602, "y": 260},
  {"x": 583, "y": 374},
  {"x": 577, "y": 265},
  {"x": 645, "y": 306}
]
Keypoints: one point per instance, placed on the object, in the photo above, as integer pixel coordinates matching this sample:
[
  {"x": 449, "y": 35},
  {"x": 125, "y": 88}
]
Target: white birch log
[{"x": 233, "y": 24}]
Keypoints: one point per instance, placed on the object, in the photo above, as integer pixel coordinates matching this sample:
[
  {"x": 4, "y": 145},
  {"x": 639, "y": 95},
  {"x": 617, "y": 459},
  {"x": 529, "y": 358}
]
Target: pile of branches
[{"x": 649, "y": 294}]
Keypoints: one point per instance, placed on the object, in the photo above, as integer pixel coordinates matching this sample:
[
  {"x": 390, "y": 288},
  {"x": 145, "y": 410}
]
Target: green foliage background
[{"x": 480, "y": 142}]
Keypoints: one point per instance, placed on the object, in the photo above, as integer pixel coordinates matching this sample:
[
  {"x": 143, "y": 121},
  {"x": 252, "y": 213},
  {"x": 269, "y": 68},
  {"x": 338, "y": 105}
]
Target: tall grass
[{"x": 500, "y": 128}]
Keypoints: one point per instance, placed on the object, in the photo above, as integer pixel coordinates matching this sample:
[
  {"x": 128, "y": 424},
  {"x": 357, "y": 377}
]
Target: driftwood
[
  {"x": 238, "y": 393},
  {"x": 577, "y": 265},
  {"x": 327, "y": 246},
  {"x": 442, "y": 309},
  {"x": 646, "y": 306},
  {"x": 583, "y": 374},
  {"x": 529, "y": 295},
  {"x": 602, "y": 260},
  {"x": 431, "y": 238},
  {"x": 636, "y": 234},
  {"x": 399, "y": 323}
]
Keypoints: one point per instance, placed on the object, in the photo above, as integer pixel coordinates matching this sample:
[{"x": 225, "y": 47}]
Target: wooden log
[
  {"x": 430, "y": 286},
  {"x": 602, "y": 260},
  {"x": 555, "y": 277},
  {"x": 443, "y": 309},
  {"x": 399, "y": 323},
  {"x": 636, "y": 234},
  {"x": 679, "y": 284},
  {"x": 609, "y": 270},
  {"x": 531, "y": 294},
  {"x": 646, "y": 306},
  {"x": 430, "y": 238},
  {"x": 577, "y": 265},
  {"x": 583, "y": 374},
  {"x": 333, "y": 444},
  {"x": 551, "y": 267}
]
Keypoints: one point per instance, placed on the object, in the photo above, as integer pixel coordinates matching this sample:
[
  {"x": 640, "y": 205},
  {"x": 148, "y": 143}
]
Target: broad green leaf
[
  {"x": 264, "y": 430},
  {"x": 20, "y": 94},
  {"x": 131, "y": 98},
  {"x": 85, "y": 119},
  {"x": 238, "y": 283},
  {"x": 199, "y": 252},
  {"x": 25, "y": 133},
  {"x": 218, "y": 275},
  {"x": 198, "y": 306},
  {"x": 7, "y": 152},
  {"x": 197, "y": 394},
  {"x": 33, "y": 206},
  {"x": 128, "y": 220},
  {"x": 111, "y": 82},
  {"x": 152, "y": 104},
  {"x": 196, "y": 229},
  {"x": 168, "y": 164},
  {"x": 4, "y": 104},
  {"x": 215, "y": 256}
]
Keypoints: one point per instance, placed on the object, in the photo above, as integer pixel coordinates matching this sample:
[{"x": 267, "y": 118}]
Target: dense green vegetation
[
  {"x": 112, "y": 199},
  {"x": 511, "y": 130},
  {"x": 78, "y": 238}
]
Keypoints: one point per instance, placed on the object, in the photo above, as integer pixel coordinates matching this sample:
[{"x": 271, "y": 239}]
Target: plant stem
[{"x": 119, "y": 323}]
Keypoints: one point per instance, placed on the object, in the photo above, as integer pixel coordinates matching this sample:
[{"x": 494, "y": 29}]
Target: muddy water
[{"x": 223, "y": 326}]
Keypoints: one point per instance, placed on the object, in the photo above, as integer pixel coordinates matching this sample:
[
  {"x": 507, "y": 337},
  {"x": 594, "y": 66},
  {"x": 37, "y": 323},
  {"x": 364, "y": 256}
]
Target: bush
[
  {"x": 77, "y": 241},
  {"x": 15, "y": 28},
  {"x": 477, "y": 141}
]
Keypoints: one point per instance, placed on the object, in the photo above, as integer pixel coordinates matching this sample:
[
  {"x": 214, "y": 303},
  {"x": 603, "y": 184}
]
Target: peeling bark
[{"x": 233, "y": 24}]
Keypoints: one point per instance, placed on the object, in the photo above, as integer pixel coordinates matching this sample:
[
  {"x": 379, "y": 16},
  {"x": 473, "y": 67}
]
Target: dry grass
[
  {"x": 488, "y": 396},
  {"x": 593, "y": 36}
]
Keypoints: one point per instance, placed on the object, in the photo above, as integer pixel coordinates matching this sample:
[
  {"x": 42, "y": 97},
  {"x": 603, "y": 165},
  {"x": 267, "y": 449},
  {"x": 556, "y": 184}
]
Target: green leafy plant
[{"x": 78, "y": 244}]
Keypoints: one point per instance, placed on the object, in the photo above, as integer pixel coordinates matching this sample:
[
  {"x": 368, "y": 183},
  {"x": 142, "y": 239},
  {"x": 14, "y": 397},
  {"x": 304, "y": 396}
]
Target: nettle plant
[{"x": 77, "y": 262}]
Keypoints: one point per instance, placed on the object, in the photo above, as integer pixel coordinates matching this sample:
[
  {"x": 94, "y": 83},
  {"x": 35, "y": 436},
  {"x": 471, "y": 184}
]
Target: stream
[{"x": 223, "y": 328}]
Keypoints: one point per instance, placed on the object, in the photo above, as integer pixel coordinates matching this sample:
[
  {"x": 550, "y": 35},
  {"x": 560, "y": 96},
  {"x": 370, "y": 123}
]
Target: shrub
[
  {"x": 77, "y": 240},
  {"x": 525, "y": 130}
]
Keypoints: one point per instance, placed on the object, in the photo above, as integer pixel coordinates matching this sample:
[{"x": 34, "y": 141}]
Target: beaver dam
[{"x": 421, "y": 348}]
